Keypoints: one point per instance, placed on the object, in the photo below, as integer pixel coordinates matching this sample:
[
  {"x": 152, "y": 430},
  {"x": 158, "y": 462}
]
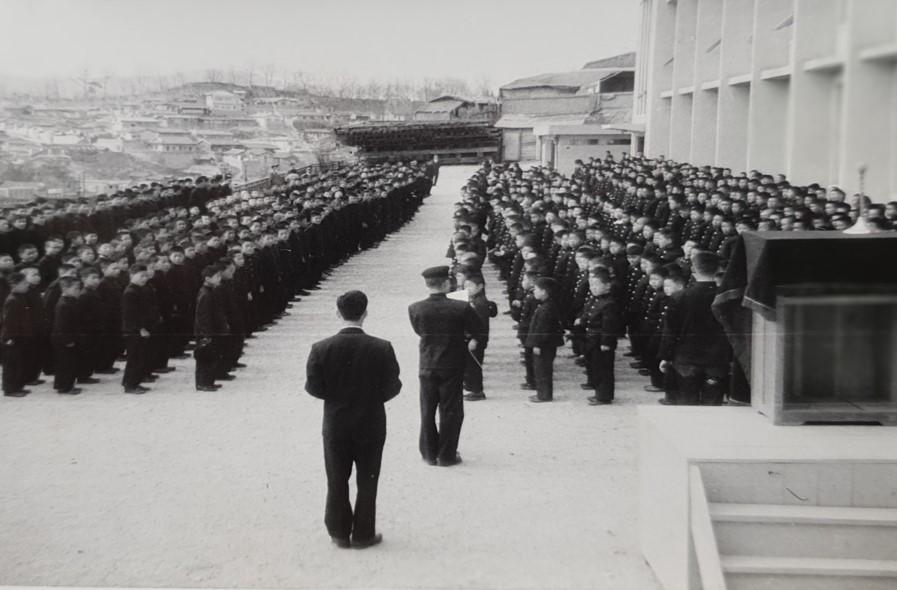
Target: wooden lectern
[{"x": 822, "y": 335}]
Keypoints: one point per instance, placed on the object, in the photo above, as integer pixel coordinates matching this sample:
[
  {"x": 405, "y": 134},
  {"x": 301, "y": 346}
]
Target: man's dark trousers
[
  {"x": 601, "y": 373},
  {"x": 340, "y": 453},
  {"x": 135, "y": 367},
  {"x": 473, "y": 371},
  {"x": 543, "y": 372},
  {"x": 441, "y": 389}
]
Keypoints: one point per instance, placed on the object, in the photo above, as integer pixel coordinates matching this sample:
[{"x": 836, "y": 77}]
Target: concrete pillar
[
  {"x": 868, "y": 113},
  {"x": 814, "y": 109}
]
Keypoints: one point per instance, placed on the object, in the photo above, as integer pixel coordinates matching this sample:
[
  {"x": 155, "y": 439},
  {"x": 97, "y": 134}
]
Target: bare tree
[
  {"x": 213, "y": 75},
  {"x": 268, "y": 71}
]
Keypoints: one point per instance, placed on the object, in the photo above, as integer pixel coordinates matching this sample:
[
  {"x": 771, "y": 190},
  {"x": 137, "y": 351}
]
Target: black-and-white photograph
[{"x": 437, "y": 295}]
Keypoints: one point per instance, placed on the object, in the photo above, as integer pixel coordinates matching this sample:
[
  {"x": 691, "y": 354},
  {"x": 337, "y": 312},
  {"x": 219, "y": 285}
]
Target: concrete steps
[
  {"x": 793, "y": 573},
  {"x": 793, "y": 547}
]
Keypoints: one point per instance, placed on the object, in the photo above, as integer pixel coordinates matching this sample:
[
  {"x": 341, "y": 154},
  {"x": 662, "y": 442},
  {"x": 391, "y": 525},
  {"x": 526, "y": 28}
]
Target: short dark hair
[
  {"x": 352, "y": 304},
  {"x": 705, "y": 263}
]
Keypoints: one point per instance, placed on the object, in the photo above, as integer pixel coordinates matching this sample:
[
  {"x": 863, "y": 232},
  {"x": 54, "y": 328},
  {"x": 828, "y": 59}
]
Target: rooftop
[
  {"x": 575, "y": 79},
  {"x": 623, "y": 60}
]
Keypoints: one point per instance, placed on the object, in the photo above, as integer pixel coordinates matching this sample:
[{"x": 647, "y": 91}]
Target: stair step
[
  {"x": 805, "y": 566},
  {"x": 795, "y": 514}
]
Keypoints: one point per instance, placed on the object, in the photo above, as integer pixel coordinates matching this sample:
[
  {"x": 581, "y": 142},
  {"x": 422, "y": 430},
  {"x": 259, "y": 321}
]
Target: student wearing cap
[
  {"x": 473, "y": 374},
  {"x": 355, "y": 374},
  {"x": 445, "y": 328}
]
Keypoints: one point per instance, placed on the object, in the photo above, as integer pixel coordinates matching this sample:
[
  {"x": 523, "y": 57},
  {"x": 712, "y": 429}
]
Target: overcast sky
[{"x": 364, "y": 39}]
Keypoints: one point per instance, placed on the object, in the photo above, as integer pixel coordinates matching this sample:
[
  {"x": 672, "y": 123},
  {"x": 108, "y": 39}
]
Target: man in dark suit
[
  {"x": 445, "y": 327},
  {"x": 693, "y": 344},
  {"x": 355, "y": 374}
]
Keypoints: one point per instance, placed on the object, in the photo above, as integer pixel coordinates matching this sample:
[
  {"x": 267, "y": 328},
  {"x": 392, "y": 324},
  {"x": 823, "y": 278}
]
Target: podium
[{"x": 812, "y": 317}]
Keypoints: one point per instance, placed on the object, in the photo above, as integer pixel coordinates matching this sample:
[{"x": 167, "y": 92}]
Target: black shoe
[
  {"x": 666, "y": 402},
  {"x": 653, "y": 389},
  {"x": 71, "y": 391},
  {"x": 88, "y": 381},
  {"x": 637, "y": 365},
  {"x": 449, "y": 462},
  {"x": 111, "y": 371},
  {"x": 430, "y": 461},
  {"x": 164, "y": 370},
  {"x": 206, "y": 388},
  {"x": 600, "y": 402},
  {"x": 527, "y": 386},
  {"x": 341, "y": 542},
  {"x": 239, "y": 365},
  {"x": 538, "y": 400},
  {"x": 474, "y": 397},
  {"x": 225, "y": 377},
  {"x": 36, "y": 382},
  {"x": 592, "y": 398},
  {"x": 138, "y": 390},
  {"x": 150, "y": 378},
  {"x": 375, "y": 540},
  {"x": 586, "y": 386},
  {"x": 303, "y": 293},
  {"x": 217, "y": 386},
  {"x": 18, "y": 393}
]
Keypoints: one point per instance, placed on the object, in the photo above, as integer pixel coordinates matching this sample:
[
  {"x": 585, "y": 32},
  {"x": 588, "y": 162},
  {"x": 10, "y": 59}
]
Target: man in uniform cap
[{"x": 445, "y": 327}]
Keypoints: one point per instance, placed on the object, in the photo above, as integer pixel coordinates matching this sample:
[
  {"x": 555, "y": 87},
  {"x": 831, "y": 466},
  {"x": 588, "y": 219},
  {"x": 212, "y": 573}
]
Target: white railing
[{"x": 703, "y": 538}]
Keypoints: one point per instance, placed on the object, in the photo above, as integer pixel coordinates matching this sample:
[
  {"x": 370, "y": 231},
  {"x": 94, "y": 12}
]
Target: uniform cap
[{"x": 436, "y": 272}]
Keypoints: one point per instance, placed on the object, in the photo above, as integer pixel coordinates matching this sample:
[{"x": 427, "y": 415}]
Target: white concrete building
[
  {"x": 222, "y": 100},
  {"x": 805, "y": 88}
]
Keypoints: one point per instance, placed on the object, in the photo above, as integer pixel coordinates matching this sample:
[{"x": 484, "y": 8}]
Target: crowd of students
[
  {"x": 630, "y": 247},
  {"x": 147, "y": 274}
]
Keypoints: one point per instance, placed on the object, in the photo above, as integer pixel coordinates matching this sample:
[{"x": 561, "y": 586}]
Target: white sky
[{"x": 364, "y": 39}]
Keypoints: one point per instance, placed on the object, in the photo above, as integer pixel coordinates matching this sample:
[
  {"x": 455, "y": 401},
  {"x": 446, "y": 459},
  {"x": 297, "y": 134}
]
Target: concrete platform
[{"x": 744, "y": 458}]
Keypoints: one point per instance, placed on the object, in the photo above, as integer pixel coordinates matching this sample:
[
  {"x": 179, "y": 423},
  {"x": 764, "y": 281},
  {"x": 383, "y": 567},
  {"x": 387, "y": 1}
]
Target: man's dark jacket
[
  {"x": 443, "y": 325},
  {"x": 691, "y": 334},
  {"x": 355, "y": 374}
]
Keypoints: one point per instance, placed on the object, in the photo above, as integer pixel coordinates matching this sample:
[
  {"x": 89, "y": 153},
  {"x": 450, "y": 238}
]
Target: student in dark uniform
[
  {"x": 90, "y": 312},
  {"x": 65, "y": 335},
  {"x": 543, "y": 338},
  {"x": 355, "y": 374},
  {"x": 137, "y": 321},
  {"x": 444, "y": 326},
  {"x": 211, "y": 329},
  {"x": 473, "y": 373},
  {"x": 693, "y": 343},
  {"x": 603, "y": 325},
  {"x": 16, "y": 331}
]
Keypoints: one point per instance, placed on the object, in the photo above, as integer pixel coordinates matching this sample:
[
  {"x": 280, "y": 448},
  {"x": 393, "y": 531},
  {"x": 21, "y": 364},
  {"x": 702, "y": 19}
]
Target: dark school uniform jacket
[{"x": 545, "y": 329}]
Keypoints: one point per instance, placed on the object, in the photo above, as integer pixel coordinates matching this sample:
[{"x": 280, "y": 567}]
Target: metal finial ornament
[{"x": 860, "y": 227}]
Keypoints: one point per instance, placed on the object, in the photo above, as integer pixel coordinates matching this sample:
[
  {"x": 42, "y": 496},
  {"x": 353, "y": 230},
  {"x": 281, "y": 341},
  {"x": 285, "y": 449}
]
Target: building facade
[
  {"x": 555, "y": 119},
  {"x": 805, "y": 88}
]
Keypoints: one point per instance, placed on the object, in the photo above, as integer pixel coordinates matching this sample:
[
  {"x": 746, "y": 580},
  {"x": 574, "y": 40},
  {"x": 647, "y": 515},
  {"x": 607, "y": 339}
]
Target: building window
[{"x": 594, "y": 141}]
